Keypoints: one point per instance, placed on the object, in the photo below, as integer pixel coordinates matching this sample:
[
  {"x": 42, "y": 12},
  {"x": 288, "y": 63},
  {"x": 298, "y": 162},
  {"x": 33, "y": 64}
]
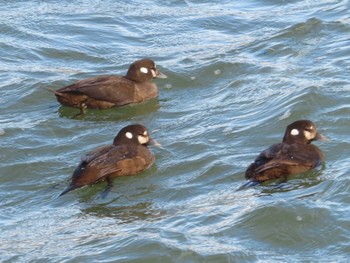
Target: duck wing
[
  {"x": 306, "y": 156},
  {"x": 106, "y": 88},
  {"x": 87, "y": 158},
  {"x": 263, "y": 159},
  {"x": 111, "y": 162},
  {"x": 281, "y": 160}
]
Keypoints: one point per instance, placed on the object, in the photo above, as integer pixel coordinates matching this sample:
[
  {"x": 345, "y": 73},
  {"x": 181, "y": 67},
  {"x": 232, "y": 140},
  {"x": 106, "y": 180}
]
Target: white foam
[{"x": 217, "y": 72}]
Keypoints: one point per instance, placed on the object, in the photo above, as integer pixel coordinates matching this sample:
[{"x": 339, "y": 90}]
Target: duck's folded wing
[
  {"x": 268, "y": 154},
  {"x": 106, "y": 88},
  {"x": 96, "y": 153},
  {"x": 262, "y": 159},
  {"x": 117, "y": 160},
  {"x": 98, "y": 163},
  {"x": 289, "y": 155}
]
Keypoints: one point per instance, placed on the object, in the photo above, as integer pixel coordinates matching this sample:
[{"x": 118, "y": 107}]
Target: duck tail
[
  {"x": 248, "y": 184},
  {"x": 68, "y": 189},
  {"x": 53, "y": 91},
  {"x": 50, "y": 89}
]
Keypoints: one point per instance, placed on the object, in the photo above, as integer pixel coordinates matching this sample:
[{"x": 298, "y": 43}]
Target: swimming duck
[
  {"x": 128, "y": 155},
  {"x": 294, "y": 155},
  {"x": 104, "y": 92}
]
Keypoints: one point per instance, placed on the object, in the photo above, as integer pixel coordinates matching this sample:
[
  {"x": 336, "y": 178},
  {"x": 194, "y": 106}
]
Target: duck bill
[
  {"x": 154, "y": 143},
  {"x": 160, "y": 75},
  {"x": 321, "y": 137}
]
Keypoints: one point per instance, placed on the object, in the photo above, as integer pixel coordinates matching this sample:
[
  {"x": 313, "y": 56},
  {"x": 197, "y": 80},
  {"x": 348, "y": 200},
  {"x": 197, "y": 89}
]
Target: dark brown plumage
[
  {"x": 112, "y": 91},
  {"x": 128, "y": 155},
  {"x": 294, "y": 155}
]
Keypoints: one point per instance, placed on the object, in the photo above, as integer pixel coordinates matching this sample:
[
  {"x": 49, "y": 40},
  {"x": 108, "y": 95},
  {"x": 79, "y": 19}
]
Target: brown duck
[
  {"x": 128, "y": 155},
  {"x": 294, "y": 155},
  {"x": 104, "y": 92}
]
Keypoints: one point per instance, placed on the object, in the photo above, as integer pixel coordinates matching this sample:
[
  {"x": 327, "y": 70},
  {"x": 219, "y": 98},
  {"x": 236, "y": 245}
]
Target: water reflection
[
  {"x": 113, "y": 114},
  {"x": 301, "y": 181},
  {"x": 126, "y": 214}
]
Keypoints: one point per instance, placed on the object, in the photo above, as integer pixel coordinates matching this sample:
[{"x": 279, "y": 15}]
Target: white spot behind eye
[
  {"x": 144, "y": 70},
  {"x": 145, "y": 133},
  {"x": 128, "y": 135},
  {"x": 294, "y": 132}
]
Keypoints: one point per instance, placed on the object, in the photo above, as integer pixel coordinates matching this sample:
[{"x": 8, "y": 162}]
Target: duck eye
[{"x": 309, "y": 129}]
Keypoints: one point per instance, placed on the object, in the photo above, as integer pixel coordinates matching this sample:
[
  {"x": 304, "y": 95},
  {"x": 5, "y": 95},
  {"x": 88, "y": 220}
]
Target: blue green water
[{"x": 238, "y": 73}]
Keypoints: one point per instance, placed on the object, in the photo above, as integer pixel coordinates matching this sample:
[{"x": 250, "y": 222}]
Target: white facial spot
[
  {"x": 128, "y": 135},
  {"x": 143, "y": 139},
  {"x": 308, "y": 135},
  {"x": 144, "y": 70},
  {"x": 294, "y": 132},
  {"x": 145, "y": 133},
  {"x": 154, "y": 73}
]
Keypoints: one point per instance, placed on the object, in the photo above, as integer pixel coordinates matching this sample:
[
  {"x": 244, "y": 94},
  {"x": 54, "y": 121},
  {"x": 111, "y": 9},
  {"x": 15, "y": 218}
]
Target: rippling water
[{"x": 238, "y": 73}]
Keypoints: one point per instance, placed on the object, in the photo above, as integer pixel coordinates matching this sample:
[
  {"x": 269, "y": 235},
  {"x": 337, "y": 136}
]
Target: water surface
[{"x": 238, "y": 73}]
